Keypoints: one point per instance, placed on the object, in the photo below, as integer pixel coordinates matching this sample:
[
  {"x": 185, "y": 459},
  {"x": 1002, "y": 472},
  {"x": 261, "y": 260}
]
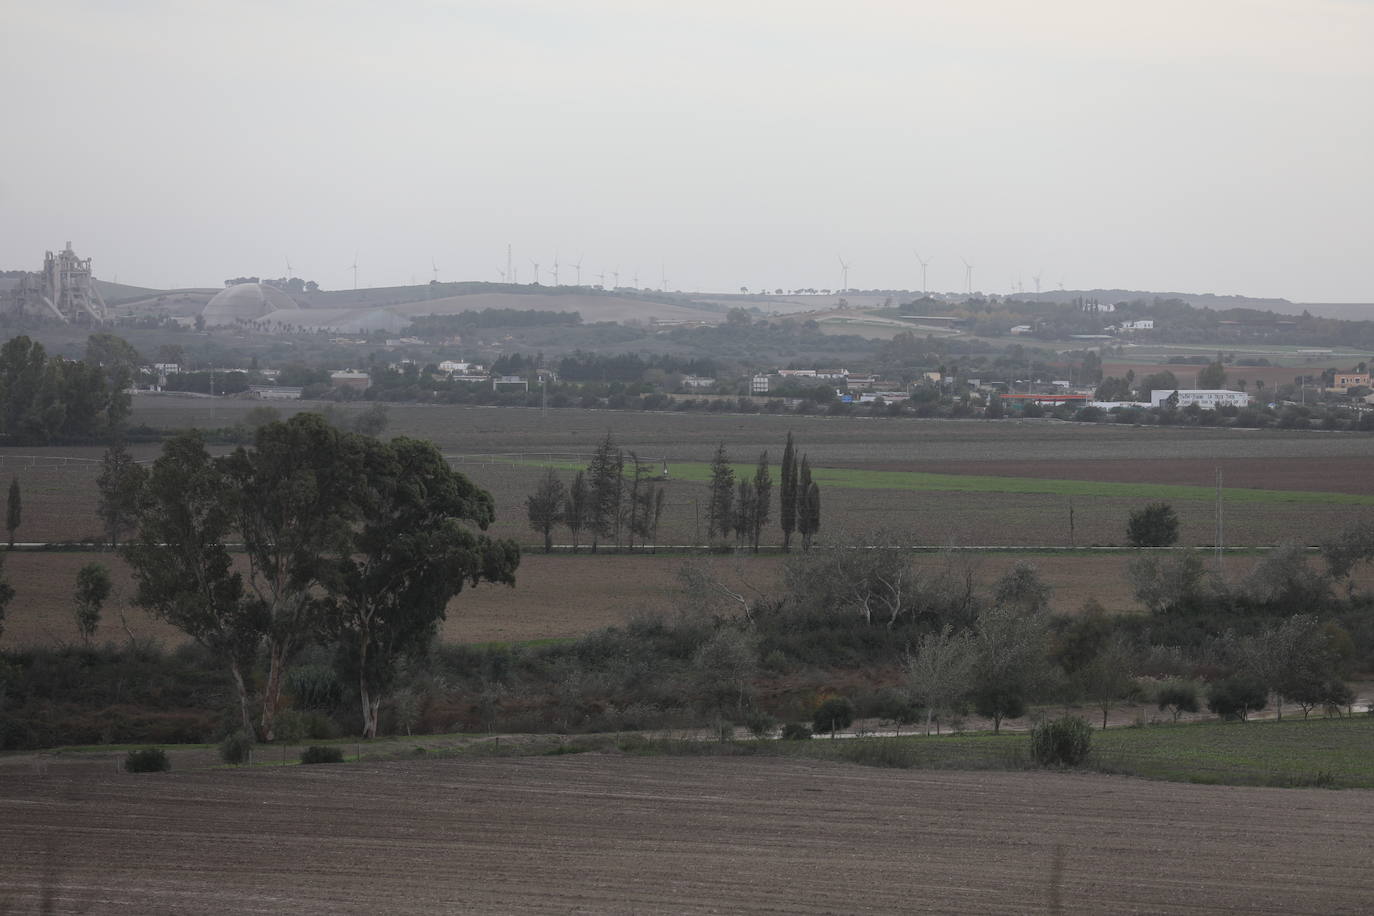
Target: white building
[
  {"x": 462, "y": 368},
  {"x": 697, "y": 382},
  {"x": 1208, "y": 399},
  {"x": 1144, "y": 324},
  {"x": 758, "y": 384}
]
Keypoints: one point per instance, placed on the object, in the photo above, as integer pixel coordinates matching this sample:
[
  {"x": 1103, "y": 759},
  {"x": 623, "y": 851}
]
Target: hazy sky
[{"x": 1197, "y": 145}]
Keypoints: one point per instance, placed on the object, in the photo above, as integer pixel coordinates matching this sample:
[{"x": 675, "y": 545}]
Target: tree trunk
[
  {"x": 271, "y": 695},
  {"x": 548, "y": 540},
  {"x": 371, "y": 704},
  {"x": 242, "y": 687}
]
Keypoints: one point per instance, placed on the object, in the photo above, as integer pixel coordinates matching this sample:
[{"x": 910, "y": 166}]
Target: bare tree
[{"x": 940, "y": 673}]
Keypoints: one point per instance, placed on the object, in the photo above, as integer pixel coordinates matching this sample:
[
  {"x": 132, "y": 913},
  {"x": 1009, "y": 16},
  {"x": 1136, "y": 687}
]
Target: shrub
[
  {"x": 832, "y": 715},
  {"x": 237, "y": 749},
  {"x": 1156, "y": 525},
  {"x": 147, "y": 760},
  {"x": 760, "y": 723},
  {"x": 1178, "y": 697},
  {"x": 314, "y": 686},
  {"x": 1236, "y": 697},
  {"x": 795, "y": 731},
  {"x": 318, "y": 753},
  {"x": 1062, "y": 742}
]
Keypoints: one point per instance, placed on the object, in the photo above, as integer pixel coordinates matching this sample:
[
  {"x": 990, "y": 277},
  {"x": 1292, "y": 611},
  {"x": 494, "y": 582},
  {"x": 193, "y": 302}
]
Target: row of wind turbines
[
  {"x": 511, "y": 273},
  {"x": 925, "y": 263}
]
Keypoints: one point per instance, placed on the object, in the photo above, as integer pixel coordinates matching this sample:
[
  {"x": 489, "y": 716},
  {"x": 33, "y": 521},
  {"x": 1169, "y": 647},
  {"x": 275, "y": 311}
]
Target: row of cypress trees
[{"x": 743, "y": 507}]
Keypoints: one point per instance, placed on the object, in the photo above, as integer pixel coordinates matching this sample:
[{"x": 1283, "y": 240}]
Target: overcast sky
[{"x": 1194, "y": 145}]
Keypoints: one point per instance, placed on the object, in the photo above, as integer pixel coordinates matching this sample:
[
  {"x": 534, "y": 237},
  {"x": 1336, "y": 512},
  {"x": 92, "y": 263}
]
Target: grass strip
[{"x": 1318, "y": 752}]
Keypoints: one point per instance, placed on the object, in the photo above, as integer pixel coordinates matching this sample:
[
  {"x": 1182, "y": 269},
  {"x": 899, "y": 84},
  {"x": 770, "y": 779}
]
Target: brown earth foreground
[{"x": 610, "y": 834}]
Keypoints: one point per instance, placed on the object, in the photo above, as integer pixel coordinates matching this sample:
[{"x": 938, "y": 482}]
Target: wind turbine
[
  {"x": 636, "y": 278},
  {"x": 1036, "y": 278},
  {"x": 288, "y": 267},
  {"x": 354, "y": 268},
  {"x": 435, "y": 265},
  {"x": 602, "y": 277},
  {"x": 663, "y": 277},
  {"x": 924, "y": 262},
  {"x": 968, "y": 276},
  {"x": 536, "y": 271},
  {"x": 844, "y": 274},
  {"x": 578, "y": 267},
  {"x": 615, "y": 275},
  {"x": 555, "y": 268},
  {"x": 502, "y": 274}
]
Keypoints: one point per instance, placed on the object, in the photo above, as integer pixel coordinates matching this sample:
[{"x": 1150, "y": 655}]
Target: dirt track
[{"x": 599, "y": 834}]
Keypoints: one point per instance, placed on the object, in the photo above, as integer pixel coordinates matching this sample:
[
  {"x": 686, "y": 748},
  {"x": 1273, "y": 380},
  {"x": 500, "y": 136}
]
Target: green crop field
[
  {"x": 1295, "y": 752},
  {"x": 849, "y": 478},
  {"x": 1291, "y": 752}
]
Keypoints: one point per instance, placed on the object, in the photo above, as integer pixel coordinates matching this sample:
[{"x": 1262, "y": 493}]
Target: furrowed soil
[{"x": 612, "y": 834}]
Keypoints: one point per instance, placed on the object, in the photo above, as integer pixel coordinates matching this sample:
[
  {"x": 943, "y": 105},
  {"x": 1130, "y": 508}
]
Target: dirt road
[{"x": 611, "y": 834}]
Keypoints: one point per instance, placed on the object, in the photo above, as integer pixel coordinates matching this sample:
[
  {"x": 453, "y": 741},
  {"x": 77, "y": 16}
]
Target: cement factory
[{"x": 63, "y": 288}]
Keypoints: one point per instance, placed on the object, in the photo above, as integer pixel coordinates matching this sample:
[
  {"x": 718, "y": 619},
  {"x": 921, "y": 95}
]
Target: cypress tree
[
  {"x": 763, "y": 492},
  {"x": 606, "y": 478},
  {"x": 719, "y": 511},
  {"x": 787, "y": 495}
]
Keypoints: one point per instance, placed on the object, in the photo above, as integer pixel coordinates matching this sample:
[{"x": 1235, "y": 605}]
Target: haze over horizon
[{"x": 1215, "y": 147}]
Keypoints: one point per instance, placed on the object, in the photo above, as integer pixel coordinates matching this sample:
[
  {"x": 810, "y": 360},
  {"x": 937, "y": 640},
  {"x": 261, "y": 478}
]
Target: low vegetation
[{"x": 147, "y": 760}]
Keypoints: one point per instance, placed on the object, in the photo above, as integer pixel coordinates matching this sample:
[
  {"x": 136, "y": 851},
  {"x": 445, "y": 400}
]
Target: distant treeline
[
  {"x": 629, "y": 367},
  {"x": 1175, "y": 321},
  {"x": 43, "y": 399}
]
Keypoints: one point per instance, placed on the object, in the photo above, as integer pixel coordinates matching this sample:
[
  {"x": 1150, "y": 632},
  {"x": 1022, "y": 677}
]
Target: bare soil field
[
  {"x": 613, "y": 834},
  {"x": 556, "y": 596},
  {"x": 1335, "y": 475},
  {"x": 828, "y": 440},
  {"x": 567, "y": 596},
  {"x": 60, "y": 501}
]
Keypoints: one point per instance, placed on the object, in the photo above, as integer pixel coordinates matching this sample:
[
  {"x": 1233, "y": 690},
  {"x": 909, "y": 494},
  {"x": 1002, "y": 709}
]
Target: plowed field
[{"x": 608, "y": 834}]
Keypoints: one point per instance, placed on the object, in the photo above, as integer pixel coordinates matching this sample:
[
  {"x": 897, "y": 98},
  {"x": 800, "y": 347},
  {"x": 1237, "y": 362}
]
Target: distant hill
[
  {"x": 451, "y": 298},
  {"x": 1197, "y": 300},
  {"x": 118, "y": 292},
  {"x": 1346, "y": 311}
]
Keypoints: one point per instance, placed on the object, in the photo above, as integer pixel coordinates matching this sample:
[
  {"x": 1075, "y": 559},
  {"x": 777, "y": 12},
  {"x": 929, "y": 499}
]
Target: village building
[
  {"x": 347, "y": 378},
  {"x": 1208, "y": 399}
]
